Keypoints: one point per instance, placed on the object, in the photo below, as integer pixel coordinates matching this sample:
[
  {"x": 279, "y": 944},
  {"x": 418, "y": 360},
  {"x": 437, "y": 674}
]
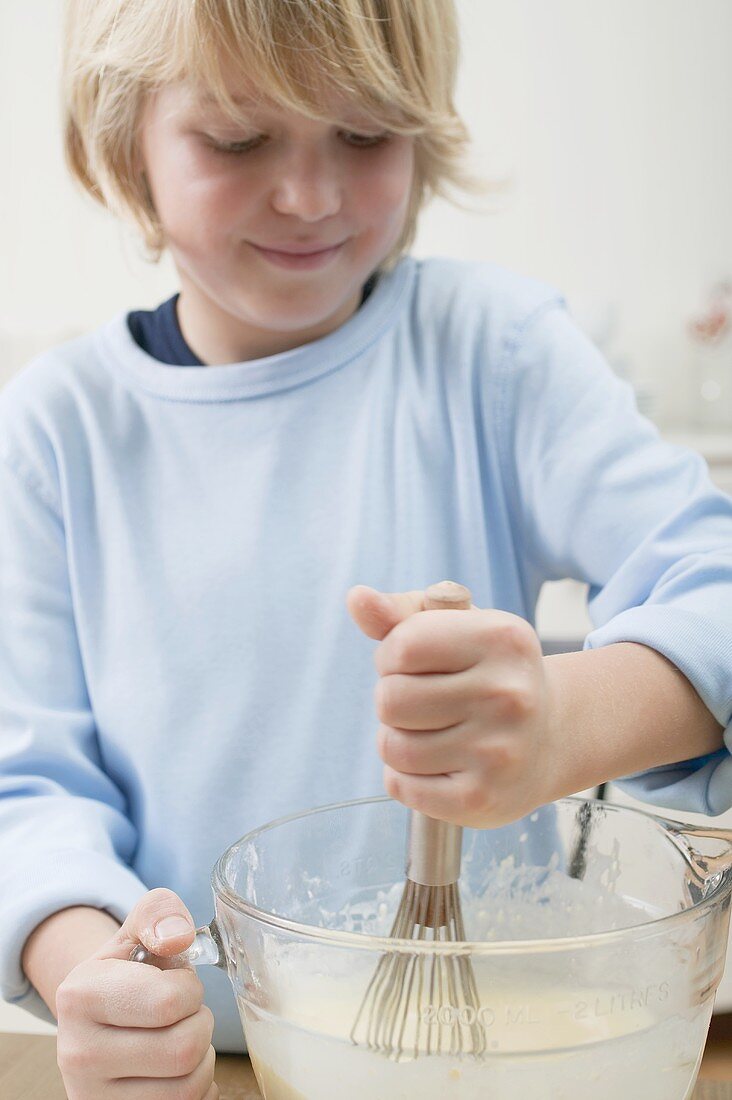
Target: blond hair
[{"x": 396, "y": 58}]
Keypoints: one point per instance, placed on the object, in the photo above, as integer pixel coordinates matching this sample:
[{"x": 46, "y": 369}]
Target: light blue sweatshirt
[{"x": 177, "y": 664}]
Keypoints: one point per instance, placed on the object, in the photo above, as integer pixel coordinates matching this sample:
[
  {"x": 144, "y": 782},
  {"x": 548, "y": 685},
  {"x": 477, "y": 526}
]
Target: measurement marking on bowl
[
  {"x": 510, "y": 1015},
  {"x": 610, "y": 1004},
  {"x": 367, "y": 865}
]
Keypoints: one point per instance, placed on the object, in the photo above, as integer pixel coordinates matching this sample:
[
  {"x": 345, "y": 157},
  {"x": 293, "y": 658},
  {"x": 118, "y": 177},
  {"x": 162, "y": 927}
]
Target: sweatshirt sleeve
[
  {"x": 65, "y": 837},
  {"x": 599, "y": 496}
]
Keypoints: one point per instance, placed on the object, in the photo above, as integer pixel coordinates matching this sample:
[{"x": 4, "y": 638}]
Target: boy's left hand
[{"x": 463, "y": 703}]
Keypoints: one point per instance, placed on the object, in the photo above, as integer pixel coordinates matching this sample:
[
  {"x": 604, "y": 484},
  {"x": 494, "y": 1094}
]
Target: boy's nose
[{"x": 308, "y": 187}]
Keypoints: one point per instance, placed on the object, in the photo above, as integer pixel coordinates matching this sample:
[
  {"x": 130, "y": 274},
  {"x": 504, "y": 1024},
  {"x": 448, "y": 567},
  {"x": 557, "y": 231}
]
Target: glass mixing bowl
[{"x": 597, "y": 935}]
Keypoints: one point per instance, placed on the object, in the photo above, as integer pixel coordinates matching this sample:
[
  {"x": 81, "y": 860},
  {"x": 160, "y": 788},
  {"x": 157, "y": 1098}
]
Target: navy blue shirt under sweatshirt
[{"x": 158, "y": 332}]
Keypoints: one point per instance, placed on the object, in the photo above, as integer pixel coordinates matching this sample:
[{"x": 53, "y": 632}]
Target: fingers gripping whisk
[{"x": 426, "y": 1001}]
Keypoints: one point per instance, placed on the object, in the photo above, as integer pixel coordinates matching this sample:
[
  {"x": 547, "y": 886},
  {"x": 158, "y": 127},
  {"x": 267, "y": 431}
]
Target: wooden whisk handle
[{"x": 448, "y": 595}]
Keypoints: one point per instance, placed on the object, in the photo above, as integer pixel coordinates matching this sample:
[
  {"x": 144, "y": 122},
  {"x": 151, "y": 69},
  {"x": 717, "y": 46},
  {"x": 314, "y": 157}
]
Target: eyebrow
[{"x": 208, "y": 99}]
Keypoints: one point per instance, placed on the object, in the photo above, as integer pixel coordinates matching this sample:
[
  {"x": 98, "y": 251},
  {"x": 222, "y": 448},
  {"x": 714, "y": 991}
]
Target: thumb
[
  {"x": 160, "y": 921},
  {"x": 378, "y": 612}
]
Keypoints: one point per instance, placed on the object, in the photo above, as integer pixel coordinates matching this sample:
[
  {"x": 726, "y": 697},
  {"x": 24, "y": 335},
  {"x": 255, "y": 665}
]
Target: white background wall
[{"x": 609, "y": 118}]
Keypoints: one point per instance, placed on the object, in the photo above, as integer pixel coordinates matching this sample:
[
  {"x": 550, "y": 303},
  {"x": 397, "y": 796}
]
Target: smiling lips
[
  {"x": 300, "y": 257},
  {"x": 307, "y": 249}
]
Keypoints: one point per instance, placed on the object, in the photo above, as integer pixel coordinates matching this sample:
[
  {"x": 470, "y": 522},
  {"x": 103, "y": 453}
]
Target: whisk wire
[{"x": 398, "y": 1023}]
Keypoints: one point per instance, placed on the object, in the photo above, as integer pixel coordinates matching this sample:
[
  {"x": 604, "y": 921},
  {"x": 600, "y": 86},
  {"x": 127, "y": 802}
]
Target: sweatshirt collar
[{"x": 273, "y": 373}]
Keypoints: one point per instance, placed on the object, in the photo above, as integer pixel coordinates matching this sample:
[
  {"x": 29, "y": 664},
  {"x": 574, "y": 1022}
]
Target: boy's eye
[
  {"x": 233, "y": 146},
  {"x": 357, "y": 141},
  {"x": 366, "y": 141}
]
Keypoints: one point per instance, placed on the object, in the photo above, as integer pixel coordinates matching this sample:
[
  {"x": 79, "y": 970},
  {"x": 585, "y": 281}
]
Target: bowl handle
[
  {"x": 708, "y": 851},
  {"x": 206, "y": 950}
]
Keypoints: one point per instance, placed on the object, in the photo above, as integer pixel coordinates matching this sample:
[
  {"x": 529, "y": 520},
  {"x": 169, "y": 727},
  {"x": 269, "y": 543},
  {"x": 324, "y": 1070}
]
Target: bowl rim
[{"x": 386, "y": 944}]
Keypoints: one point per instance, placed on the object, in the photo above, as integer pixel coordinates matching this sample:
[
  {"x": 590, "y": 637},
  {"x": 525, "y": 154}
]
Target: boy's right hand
[{"x": 131, "y": 1031}]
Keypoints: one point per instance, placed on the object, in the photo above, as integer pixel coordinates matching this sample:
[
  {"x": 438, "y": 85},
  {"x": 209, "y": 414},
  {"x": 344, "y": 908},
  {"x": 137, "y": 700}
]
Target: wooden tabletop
[{"x": 28, "y": 1071}]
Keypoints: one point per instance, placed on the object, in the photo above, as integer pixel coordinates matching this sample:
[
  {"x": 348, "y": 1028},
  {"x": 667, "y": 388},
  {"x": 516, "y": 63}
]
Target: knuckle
[
  {"x": 188, "y": 1053},
  {"x": 484, "y": 754},
  {"x": 508, "y": 702},
  {"x": 474, "y": 797},
  {"x": 192, "y": 980},
  {"x": 211, "y": 1059},
  {"x": 166, "y": 1008},
  {"x": 405, "y": 755},
  {"x": 205, "y": 1081},
  {"x": 396, "y": 750},
  {"x": 495, "y": 758},
  {"x": 527, "y": 701},
  {"x": 208, "y": 1021},
  {"x": 392, "y": 783},
  {"x": 486, "y": 629},
  {"x": 78, "y": 995},
  {"x": 189, "y": 985},
  {"x": 502, "y": 755},
  {"x": 180, "y": 995},
  {"x": 188, "y": 1089},
  {"x": 403, "y": 651},
  {"x": 72, "y": 1056},
  {"x": 382, "y": 743},
  {"x": 484, "y": 759},
  {"x": 530, "y": 641},
  {"x": 391, "y": 699},
  {"x": 510, "y": 632},
  {"x": 486, "y": 690},
  {"x": 515, "y": 704},
  {"x": 67, "y": 998},
  {"x": 384, "y": 699}
]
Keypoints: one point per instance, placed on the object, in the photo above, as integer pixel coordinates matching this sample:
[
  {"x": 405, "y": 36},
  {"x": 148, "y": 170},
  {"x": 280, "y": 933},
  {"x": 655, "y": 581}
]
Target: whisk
[{"x": 426, "y": 1002}]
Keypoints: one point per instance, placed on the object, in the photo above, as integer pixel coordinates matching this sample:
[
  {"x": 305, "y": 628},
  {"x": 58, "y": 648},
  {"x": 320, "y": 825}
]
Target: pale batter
[{"x": 271, "y": 1086}]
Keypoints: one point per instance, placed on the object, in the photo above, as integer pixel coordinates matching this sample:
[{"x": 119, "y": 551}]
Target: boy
[{"x": 190, "y": 496}]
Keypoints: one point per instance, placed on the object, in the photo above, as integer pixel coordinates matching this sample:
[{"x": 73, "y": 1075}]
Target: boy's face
[{"x": 302, "y": 184}]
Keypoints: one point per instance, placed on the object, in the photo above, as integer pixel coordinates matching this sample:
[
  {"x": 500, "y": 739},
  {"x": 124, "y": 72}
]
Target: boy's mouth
[
  {"x": 296, "y": 258},
  {"x": 303, "y": 249}
]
